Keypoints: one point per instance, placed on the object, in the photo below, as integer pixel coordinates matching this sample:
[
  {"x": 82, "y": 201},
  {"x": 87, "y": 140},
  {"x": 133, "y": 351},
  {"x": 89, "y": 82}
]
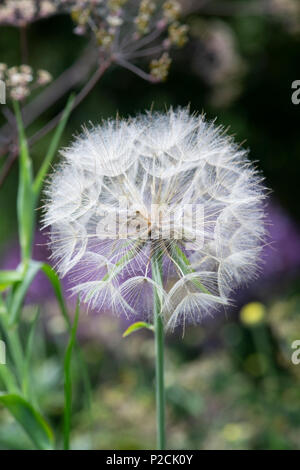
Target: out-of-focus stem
[
  {"x": 70, "y": 78},
  {"x": 52, "y": 124},
  {"x": 133, "y": 68},
  {"x": 15, "y": 346},
  {"x": 79, "y": 98}
]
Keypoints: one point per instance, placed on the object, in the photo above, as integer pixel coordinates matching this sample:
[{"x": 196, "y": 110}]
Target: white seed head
[{"x": 172, "y": 184}]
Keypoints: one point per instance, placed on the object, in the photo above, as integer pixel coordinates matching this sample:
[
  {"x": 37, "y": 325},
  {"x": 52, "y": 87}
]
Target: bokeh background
[{"x": 230, "y": 382}]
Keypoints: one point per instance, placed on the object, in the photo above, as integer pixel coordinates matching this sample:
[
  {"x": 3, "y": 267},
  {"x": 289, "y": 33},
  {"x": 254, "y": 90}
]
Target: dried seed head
[{"x": 172, "y": 184}]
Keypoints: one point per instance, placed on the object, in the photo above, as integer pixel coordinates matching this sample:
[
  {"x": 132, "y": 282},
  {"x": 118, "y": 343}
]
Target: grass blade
[
  {"x": 8, "y": 379},
  {"x": 20, "y": 291},
  {"x": 26, "y": 199},
  {"x": 26, "y": 385},
  {"x": 30, "y": 419},
  {"x": 53, "y": 146},
  {"x": 180, "y": 259},
  {"x": 7, "y": 278},
  {"x": 56, "y": 284},
  {"x": 137, "y": 326}
]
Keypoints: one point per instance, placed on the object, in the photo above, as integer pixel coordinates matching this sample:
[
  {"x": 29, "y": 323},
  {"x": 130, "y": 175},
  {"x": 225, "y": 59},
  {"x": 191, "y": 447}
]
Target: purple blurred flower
[
  {"x": 40, "y": 289},
  {"x": 282, "y": 255}
]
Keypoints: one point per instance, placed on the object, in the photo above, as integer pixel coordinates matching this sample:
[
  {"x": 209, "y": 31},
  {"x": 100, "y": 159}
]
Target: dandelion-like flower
[{"x": 168, "y": 186}]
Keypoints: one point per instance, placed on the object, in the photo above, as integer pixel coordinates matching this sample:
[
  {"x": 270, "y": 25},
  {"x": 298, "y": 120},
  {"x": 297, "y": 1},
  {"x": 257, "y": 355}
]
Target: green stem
[
  {"x": 159, "y": 352},
  {"x": 13, "y": 340},
  {"x": 263, "y": 346},
  {"x": 8, "y": 379},
  {"x": 14, "y": 343}
]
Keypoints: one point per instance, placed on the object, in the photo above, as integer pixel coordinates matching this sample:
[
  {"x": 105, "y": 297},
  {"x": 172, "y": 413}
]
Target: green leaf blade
[
  {"x": 8, "y": 278},
  {"x": 137, "y": 326},
  {"x": 21, "y": 291},
  {"x": 27, "y": 385},
  {"x": 56, "y": 285},
  {"x": 26, "y": 198},
  {"x": 181, "y": 260},
  {"x": 53, "y": 146},
  {"x": 30, "y": 419}
]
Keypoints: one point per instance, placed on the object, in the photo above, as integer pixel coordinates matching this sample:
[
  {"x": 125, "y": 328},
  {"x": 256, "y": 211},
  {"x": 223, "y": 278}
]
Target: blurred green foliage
[
  {"x": 225, "y": 388},
  {"x": 229, "y": 385}
]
